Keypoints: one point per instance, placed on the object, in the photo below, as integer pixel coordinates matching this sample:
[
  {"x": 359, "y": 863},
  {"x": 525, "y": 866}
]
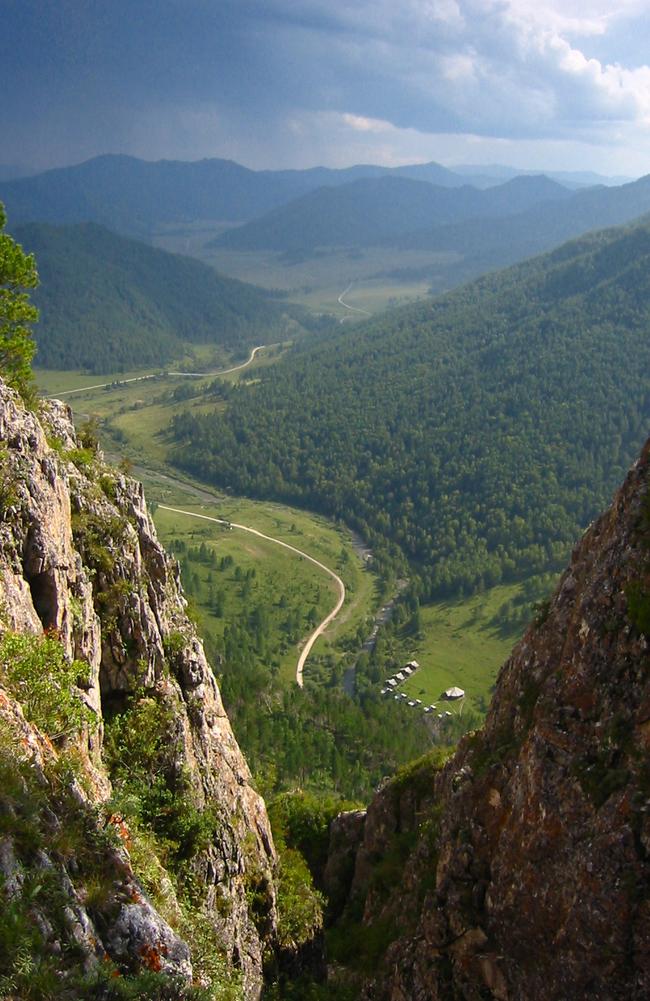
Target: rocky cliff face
[
  {"x": 520, "y": 869},
  {"x": 79, "y": 559}
]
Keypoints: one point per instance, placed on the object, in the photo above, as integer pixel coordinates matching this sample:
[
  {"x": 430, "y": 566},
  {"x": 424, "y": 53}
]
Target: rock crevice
[{"x": 80, "y": 559}]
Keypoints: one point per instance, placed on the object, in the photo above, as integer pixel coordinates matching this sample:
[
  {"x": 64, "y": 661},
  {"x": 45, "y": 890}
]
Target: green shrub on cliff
[{"x": 36, "y": 671}]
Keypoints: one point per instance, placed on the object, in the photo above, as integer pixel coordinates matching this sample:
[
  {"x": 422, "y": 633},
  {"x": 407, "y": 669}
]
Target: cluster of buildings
[{"x": 391, "y": 685}]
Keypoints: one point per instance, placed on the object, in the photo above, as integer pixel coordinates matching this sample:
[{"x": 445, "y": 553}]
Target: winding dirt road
[
  {"x": 306, "y": 650},
  {"x": 226, "y": 371},
  {"x": 155, "y": 375},
  {"x": 354, "y": 309}
]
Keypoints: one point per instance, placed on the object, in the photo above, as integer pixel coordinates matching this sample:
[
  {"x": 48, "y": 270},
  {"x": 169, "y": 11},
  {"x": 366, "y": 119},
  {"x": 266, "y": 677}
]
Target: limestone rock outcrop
[{"x": 80, "y": 560}]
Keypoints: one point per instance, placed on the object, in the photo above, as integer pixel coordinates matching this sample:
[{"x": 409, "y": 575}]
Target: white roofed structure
[{"x": 454, "y": 693}]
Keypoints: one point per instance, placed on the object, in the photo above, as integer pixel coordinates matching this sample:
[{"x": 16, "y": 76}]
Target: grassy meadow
[
  {"x": 316, "y": 279},
  {"x": 236, "y": 576},
  {"x": 461, "y": 645}
]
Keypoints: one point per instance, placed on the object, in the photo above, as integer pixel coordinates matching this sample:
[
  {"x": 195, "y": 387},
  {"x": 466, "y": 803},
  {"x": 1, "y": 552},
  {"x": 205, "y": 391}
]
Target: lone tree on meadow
[{"x": 17, "y": 313}]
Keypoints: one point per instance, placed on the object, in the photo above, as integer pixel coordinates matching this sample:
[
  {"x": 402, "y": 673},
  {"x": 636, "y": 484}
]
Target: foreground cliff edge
[
  {"x": 132, "y": 844},
  {"x": 519, "y": 869}
]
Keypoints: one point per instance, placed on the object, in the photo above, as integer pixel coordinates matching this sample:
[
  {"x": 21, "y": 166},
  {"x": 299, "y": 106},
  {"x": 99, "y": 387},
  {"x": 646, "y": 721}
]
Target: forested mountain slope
[
  {"x": 109, "y": 303},
  {"x": 131, "y": 195},
  {"x": 369, "y": 210},
  {"x": 497, "y": 241},
  {"x": 479, "y": 433}
]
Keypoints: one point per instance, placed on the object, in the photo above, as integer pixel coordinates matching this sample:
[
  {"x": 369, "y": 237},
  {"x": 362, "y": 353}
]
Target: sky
[{"x": 545, "y": 84}]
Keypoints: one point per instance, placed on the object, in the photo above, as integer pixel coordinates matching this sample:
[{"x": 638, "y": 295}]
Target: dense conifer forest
[
  {"x": 108, "y": 303},
  {"x": 477, "y": 435}
]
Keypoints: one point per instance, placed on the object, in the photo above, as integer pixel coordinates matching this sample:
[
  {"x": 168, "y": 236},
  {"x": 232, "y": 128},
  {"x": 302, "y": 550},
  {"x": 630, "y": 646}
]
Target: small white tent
[{"x": 454, "y": 693}]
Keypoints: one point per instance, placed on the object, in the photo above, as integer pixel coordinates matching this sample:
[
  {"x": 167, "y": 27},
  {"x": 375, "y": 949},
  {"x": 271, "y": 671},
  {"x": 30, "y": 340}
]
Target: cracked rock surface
[{"x": 79, "y": 558}]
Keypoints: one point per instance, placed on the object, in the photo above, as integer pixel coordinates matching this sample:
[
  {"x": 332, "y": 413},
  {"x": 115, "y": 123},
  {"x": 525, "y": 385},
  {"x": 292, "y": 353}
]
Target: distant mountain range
[
  {"x": 479, "y": 230},
  {"x": 109, "y": 303},
  {"x": 422, "y": 207},
  {"x": 374, "y": 210},
  {"x": 134, "y": 196},
  {"x": 499, "y": 172}
]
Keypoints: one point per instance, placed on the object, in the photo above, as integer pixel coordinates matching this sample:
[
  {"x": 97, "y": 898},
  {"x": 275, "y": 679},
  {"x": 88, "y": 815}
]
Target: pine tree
[{"x": 17, "y": 272}]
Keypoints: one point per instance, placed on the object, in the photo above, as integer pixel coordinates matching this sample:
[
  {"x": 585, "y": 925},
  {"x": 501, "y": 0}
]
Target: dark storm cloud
[{"x": 213, "y": 77}]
